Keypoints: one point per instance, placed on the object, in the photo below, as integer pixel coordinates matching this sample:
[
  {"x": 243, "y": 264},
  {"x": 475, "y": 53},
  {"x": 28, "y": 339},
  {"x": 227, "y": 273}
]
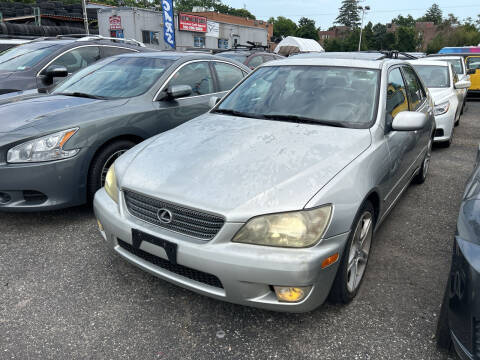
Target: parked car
[
  {"x": 41, "y": 64},
  {"x": 459, "y": 319},
  {"x": 446, "y": 90},
  {"x": 250, "y": 56},
  {"x": 55, "y": 149},
  {"x": 460, "y": 69},
  {"x": 471, "y": 54},
  {"x": 9, "y": 42},
  {"x": 272, "y": 198}
]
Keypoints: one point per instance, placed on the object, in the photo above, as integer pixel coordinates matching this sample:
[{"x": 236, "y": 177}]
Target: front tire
[
  {"x": 355, "y": 256},
  {"x": 444, "y": 340},
  {"x": 102, "y": 162}
]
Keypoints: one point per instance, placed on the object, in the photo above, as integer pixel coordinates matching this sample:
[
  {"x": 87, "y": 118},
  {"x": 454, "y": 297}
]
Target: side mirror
[
  {"x": 471, "y": 71},
  {"x": 52, "y": 72},
  {"x": 463, "y": 84},
  {"x": 213, "y": 101},
  {"x": 178, "y": 91},
  {"x": 409, "y": 121}
]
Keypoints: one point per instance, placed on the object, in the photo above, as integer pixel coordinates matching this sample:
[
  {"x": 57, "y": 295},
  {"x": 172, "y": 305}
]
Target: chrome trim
[{"x": 191, "y": 62}]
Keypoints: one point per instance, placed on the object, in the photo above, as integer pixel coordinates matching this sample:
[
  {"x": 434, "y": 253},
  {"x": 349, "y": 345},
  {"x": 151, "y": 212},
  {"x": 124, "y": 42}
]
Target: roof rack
[
  {"x": 393, "y": 54},
  {"x": 250, "y": 46},
  {"x": 87, "y": 37}
]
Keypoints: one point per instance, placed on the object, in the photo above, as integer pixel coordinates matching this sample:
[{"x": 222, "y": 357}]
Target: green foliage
[
  {"x": 306, "y": 29},
  {"x": 406, "y": 39},
  {"x": 215, "y": 5},
  {"x": 404, "y": 21},
  {"x": 283, "y": 27},
  {"x": 434, "y": 14},
  {"x": 348, "y": 14},
  {"x": 463, "y": 35}
]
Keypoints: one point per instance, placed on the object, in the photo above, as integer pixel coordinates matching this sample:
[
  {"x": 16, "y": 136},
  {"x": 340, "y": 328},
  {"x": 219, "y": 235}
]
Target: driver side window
[
  {"x": 396, "y": 95},
  {"x": 197, "y": 75},
  {"x": 78, "y": 58}
]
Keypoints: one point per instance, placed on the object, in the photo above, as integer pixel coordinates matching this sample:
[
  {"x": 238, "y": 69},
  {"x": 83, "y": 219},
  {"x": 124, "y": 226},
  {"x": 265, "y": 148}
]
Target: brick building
[
  {"x": 335, "y": 32},
  {"x": 426, "y": 30}
]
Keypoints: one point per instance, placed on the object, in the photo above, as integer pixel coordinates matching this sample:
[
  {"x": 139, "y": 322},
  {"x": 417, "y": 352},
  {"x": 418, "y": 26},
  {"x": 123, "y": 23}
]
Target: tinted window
[
  {"x": 255, "y": 61},
  {"x": 396, "y": 95},
  {"x": 473, "y": 63},
  {"x": 415, "y": 91},
  {"x": 228, "y": 75},
  {"x": 197, "y": 75},
  {"x": 434, "y": 76},
  {"x": 78, "y": 58},
  {"x": 24, "y": 57},
  {"x": 331, "y": 95},
  {"x": 457, "y": 65},
  {"x": 116, "y": 77},
  {"x": 238, "y": 57},
  {"x": 112, "y": 51}
]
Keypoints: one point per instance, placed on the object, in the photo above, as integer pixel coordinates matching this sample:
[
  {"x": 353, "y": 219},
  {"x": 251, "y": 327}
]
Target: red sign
[
  {"x": 115, "y": 22},
  {"x": 195, "y": 23}
]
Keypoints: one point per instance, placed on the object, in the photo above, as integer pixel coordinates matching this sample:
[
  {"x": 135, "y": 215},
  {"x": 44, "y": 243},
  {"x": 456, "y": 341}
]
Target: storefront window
[
  {"x": 222, "y": 43},
  {"x": 150, "y": 37},
  {"x": 199, "y": 41}
]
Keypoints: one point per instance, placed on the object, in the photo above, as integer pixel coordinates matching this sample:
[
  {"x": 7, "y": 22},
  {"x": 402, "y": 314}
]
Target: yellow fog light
[
  {"x": 291, "y": 294},
  {"x": 100, "y": 226}
]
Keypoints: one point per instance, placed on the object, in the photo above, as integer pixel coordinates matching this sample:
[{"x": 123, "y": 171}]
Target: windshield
[
  {"x": 112, "y": 78},
  {"x": 434, "y": 76},
  {"x": 238, "y": 57},
  {"x": 457, "y": 65},
  {"x": 473, "y": 62},
  {"x": 24, "y": 57},
  {"x": 335, "y": 96}
]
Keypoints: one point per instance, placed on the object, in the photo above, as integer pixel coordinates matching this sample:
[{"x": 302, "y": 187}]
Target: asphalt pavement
[{"x": 64, "y": 295}]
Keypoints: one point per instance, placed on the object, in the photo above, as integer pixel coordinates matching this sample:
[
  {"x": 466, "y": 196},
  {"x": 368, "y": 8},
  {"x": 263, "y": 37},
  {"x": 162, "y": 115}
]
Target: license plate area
[{"x": 170, "y": 248}]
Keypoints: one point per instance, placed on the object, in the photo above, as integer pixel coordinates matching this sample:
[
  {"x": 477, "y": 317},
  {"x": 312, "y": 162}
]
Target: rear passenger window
[
  {"x": 197, "y": 75},
  {"x": 79, "y": 58},
  {"x": 228, "y": 75},
  {"x": 416, "y": 93},
  {"x": 396, "y": 95},
  {"x": 112, "y": 51},
  {"x": 255, "y": 61}
]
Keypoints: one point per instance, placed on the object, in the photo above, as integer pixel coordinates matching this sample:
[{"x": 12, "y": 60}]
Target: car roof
[
  {"x": 332, "y": 61},
  {"x": 434, "y": 58},
  {"x": 429, "y": 62}
]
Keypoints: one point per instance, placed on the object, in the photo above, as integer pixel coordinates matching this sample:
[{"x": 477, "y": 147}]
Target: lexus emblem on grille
[{"x": 165, "y": 216}]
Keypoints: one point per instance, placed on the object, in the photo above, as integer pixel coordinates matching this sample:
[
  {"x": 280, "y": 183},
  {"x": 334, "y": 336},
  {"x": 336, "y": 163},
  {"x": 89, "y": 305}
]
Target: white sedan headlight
[
  {"x": 442, "y": 108},
  {"x": 297, "y": 229},
  {"x": 46, "y": 148}
]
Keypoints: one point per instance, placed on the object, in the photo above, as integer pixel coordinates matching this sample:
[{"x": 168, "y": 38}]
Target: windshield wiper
[
  {"x": 84, "y": 95},
  {"x": 303, "y": 120},
  {"x": 238, "y": 113}
]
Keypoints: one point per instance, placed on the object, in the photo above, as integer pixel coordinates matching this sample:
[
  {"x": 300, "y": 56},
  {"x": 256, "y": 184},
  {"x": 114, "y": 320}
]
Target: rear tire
[
  {"x": 102, "y": 162},
  {"x": 355, "y": 256},
  {"x": 422, "y": 175}
]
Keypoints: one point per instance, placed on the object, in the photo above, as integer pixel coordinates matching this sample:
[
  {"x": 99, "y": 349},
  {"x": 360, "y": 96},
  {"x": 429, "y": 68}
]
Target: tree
[
  {"x": 406, "y": 39},
  {"x": 283, "y": 27},
  {"x": 215, "y": 5},
  {"x": 404, "y": 21},
  {"x": 434, "y": 14},
  {"x": 306, "y": 29},
  {"x": 348, "y": 14}
]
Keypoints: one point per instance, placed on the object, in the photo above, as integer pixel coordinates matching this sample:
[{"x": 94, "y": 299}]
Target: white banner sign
[{"x": 213, "y": 29}]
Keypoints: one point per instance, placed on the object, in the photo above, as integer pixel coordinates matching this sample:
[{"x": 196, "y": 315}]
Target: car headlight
[
  {"x": 442, "y": 108},
  {"x": 296, "y": 229},
  {"x": 46, "y": 148},
  {"x": 111, "y": 183}
]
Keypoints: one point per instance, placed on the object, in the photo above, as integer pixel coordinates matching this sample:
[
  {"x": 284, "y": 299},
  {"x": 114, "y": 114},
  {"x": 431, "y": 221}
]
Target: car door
[
  {"x": 198, "y": 75},
  {"x": 402, "y": 145},
  {"x": 458, "y": 92}
]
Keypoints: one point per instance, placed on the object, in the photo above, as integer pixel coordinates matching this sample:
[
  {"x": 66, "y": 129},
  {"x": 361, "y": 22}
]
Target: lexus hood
[{"x": 240, "y": 167}]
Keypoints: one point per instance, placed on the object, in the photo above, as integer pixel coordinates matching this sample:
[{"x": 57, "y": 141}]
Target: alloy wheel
[
  {"x": 110, "y": 160},
  {"x": 359, "y": 251},
  {"x": 426, "y": 161}
]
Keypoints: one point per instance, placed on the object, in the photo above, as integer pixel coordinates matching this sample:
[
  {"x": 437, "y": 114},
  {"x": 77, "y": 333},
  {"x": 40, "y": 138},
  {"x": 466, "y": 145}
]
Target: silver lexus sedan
[{"x": 273, "y": 197}]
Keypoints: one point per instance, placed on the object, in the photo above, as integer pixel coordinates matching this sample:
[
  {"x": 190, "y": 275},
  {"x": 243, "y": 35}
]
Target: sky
[{"x": 324, "y": 12}]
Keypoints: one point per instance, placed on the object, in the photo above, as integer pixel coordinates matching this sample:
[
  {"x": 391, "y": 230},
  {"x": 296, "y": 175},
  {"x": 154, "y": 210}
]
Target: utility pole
[
  {"x": 85, "y": 20},
  {"x": 363, "y": 9}
]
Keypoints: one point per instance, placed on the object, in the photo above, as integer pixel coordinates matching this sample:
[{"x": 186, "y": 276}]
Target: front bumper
[
  {"x": 246, "y": 272},
  {"x": 42, "y": 186},
  {"x": 444, "y": 125}
]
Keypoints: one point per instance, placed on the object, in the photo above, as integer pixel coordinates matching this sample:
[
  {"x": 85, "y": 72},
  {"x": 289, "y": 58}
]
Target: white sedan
[{"x": 446, "y": 90}]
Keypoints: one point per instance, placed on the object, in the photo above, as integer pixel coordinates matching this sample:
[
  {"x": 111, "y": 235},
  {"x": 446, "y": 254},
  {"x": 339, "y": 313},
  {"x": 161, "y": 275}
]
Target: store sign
[
  {"x": 194, "y": 23},
  {"x": 115, "y": 22},
  {"x": 168, "y": 24},
  {"x": 213, "y": 29}
]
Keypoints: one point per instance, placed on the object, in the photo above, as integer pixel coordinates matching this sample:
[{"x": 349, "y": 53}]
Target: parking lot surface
[{"x": 63, "y": 294}]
